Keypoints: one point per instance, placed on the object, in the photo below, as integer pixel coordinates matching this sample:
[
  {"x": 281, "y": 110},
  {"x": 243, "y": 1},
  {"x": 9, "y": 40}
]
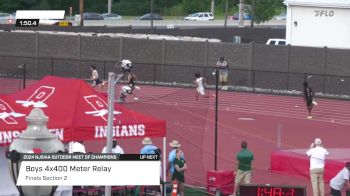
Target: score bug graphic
[{"x": 27, "y": 22}]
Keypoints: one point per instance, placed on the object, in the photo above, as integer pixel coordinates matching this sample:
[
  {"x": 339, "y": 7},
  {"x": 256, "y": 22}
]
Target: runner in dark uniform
[
  {"x": 131, "y": 80},
  {"x": 308, "y": 98}
]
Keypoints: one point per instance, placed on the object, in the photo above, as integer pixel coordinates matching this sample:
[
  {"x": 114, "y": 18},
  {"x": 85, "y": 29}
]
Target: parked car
[
  {"x": 92, "y": 16},
  {"x": 5, "y": 16},
  {"x": 111, "y": 16},
  {"x": 236, "y": 16},
  {"x": 200, "y": 16},
  {"x": 275, "y": 41},
  {"x": 148, "y": 17}
]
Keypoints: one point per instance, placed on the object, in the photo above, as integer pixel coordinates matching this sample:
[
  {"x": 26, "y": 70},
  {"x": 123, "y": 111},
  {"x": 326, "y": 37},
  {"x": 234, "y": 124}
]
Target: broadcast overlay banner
[
  {"x": 89, "y": 169},
  {"x": 40, "y": 14}
]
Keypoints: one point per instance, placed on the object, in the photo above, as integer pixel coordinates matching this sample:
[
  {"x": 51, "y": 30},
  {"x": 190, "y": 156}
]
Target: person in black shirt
[{"x": 308, "y": 98}]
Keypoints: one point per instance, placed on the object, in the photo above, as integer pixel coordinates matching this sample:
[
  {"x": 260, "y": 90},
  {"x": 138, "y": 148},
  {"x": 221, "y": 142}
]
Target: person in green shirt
[
  {"x": 179, "y": 171},
  {"x": 244, "y": 163}
]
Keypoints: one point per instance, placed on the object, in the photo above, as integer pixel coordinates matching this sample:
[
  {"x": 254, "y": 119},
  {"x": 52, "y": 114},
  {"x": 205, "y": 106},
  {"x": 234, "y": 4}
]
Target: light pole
[
  {"x": 212, "y": 7},
  {"x": 226, "y": 8},
  {"x": 81, "y": 10},
  {"x": 253, "y": 14},
  {"x": 36, "y": 136},
  {"x": 241, "y": 13},
  {"x": 216, "y": 117},
  {"x": 152, "y": 16},
  {"x": 22, "y": 68},
  {"x": 109, "y": 6}
]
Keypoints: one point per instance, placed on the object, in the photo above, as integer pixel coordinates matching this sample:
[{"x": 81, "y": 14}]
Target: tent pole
[
  {"x": 164, "y": 166},
  {"x": 111, "y": 92},
  {"x": 112, "y": 81}
]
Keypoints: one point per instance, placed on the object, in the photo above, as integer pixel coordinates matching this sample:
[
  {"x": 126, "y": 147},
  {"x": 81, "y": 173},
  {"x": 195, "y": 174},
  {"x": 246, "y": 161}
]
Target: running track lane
[{"x": 192, "y": 123}]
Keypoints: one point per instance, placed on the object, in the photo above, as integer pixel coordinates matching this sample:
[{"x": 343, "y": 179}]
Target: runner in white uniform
[{"x": 200, "y": 85}]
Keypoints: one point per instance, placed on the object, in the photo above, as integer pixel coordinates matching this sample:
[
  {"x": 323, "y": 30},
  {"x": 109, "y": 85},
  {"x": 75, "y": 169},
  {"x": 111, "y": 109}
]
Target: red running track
[
  {"x": 242, "y": 116},
  {"x": 192, "y": 123}
]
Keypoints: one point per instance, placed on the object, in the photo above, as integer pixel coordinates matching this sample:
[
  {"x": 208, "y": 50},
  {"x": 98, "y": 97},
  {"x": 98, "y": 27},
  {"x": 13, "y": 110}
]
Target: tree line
[{"x": 264, "y": 9}]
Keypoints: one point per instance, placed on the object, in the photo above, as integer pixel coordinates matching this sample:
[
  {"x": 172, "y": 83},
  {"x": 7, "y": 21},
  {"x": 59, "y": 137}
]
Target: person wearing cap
[
  {"x": 115, "y": 148},
  {"x": 172, "y": 155},
  {"x": 317, "y": 154},
  {"x": 340, "y": 181},
  {"x": 223, "y": 72},
  {"x": 148, "y": 148}
]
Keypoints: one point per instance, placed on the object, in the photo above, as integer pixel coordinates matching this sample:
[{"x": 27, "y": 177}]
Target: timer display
[
  {"x": 271, "y": 190},
  {"x": 27, "y": 22}
]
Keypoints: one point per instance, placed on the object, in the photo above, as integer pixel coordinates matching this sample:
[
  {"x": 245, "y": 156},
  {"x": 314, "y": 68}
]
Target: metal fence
[{"x": 175, "y": 75}]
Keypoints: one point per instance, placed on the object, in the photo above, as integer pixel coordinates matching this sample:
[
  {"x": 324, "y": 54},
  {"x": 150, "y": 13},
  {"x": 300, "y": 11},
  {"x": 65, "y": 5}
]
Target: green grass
[{"x": 195, "y": 192}]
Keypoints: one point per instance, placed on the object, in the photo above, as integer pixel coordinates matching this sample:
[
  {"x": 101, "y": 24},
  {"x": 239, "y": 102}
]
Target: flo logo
[
  {"x": 99, "y": 105},
  {"x": 38, "y": 98},
  {"x": 7, "y": 114}
]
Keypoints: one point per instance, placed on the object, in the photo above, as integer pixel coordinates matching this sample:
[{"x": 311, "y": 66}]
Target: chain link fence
[{"x": 18, "y": 77}]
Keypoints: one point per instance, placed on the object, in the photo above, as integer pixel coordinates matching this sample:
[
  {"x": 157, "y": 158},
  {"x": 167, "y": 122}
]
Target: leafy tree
[
  {"x": 191, "y": 6},
  {"x": 132, "y": 7},
  {"x": 264, "y": 9}
]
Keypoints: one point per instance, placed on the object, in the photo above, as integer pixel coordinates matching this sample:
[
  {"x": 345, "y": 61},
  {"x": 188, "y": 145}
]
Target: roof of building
[{"x": 319, "y": 3}]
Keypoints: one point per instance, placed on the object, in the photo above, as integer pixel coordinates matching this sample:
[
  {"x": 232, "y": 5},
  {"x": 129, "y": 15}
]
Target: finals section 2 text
[{"x": 89, "y": 169}]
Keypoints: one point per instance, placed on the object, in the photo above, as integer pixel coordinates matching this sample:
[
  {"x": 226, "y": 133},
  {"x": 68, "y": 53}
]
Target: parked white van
[{"x": 276, "y": 42}]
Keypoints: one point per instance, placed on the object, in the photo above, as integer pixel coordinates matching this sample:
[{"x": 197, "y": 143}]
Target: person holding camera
[
  {"x": 317, "y": 154},
  {"x": 340, "y": 181}
]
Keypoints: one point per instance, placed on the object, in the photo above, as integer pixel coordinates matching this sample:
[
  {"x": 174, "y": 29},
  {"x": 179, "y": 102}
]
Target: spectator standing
[
  {"x": 179, "y": 171},
  {"x": 172, "y": 155},
  {"x": 317, "y": 154},
  {"x": 76, "y": 147},
  {"x": 244, "y": 163},
  {"x": 115, "y": 148},
  {"x": 148, "y": 147},
  {"x": 340, "y": 181},
  {"x": 223, "y": 72}
]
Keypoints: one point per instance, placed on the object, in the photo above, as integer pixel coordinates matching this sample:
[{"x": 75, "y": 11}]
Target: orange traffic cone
[{"x": 174, "y": 193}]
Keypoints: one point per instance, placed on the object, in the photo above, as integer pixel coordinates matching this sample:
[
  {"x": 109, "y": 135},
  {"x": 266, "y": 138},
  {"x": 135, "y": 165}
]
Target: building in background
[{"x": 318, "y": 23}]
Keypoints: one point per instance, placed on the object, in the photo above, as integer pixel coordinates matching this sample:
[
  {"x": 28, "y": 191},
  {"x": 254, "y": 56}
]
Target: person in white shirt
[
  {"x": 223, "y": 72},
  {"x": 199, "y": 82},
  {"x": 340, "y": 181},
  {"x": 94, "y": 76},
  {"x": 317, "y": 154},
  {"x": 76, "y": 147},
  {"x": 115, "y": 148}
]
